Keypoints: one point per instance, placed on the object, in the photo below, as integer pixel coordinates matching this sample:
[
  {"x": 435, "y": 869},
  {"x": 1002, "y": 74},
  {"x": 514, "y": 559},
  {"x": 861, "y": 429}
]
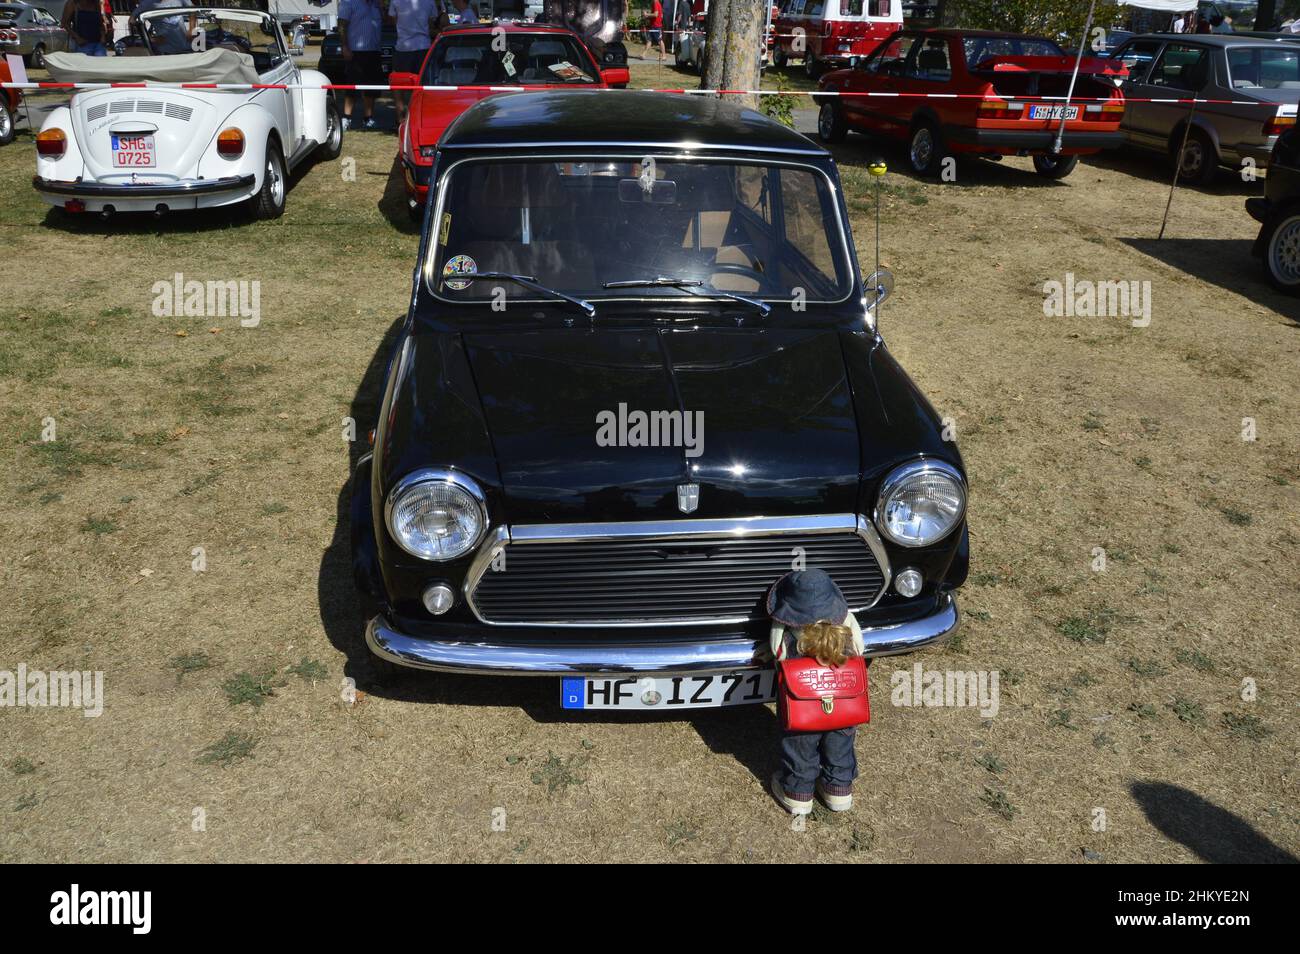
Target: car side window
[
  {"x": 1181, "y": 67},
  {"x": 1138, "y": 56},
  {"x": 929, "y": 61},
  {"x": 851, "y": 8},
  {"x": 894, "y": 51}
]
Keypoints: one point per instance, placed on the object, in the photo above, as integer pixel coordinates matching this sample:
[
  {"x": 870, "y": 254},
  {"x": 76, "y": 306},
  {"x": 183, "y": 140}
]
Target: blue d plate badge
[{"x": 458, "y": 265}]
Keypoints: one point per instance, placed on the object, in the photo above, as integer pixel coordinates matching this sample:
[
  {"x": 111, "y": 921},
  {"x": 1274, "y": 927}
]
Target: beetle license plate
[
  {"x": 668, "y": 692},
  {"x": 1053, "y": 112},
  {"x": 134, "y": 151}
]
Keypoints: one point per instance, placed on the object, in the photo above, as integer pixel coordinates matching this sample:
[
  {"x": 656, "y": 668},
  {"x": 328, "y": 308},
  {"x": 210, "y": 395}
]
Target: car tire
[
  {"x": 37, "y": 59},
  {"x": 1282, "y": 252},
  {"x": 925, "y": 151},
  {"x": 779, "y": 59},
  {"x": 1199, "y": 162},
  {"x": 269, "y": 201},
  {"x": 831, "y": 126},
  {"x": 333, "y": 144},
  {"x": 812, "y": 66},
  {"x": 1055, "y": 167},
  {"x": 8, "y": 125}
]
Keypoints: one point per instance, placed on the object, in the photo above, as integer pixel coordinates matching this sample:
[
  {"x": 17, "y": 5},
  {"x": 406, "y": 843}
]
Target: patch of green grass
[
  {"x": 1238, "y": 518},
  {"x": 1060, "y": 719},
  {"x": 1146, "y": 668},
  {"x": 557, "y": 773},
  {"x": 251, "y": 688},
  {"x": 982, "y": 615},
  {"x": 1188, "y": 710},
  {"x": 1245, "y": 726},
  {"x": 198, "y": 483},
  {"x": 1102, "y": 741},
  {"x": 861, "y": 838},
  {"x": 987, "y": 579},
  {"x": 230, "y": 748},
  {"x": 1194, "y": 658},
  {"x": 271, "y": 509},
  {"x": 1092, "y": 627},
  {"x": 1092, "y": 421},
  {"x": 22, "y": 766},
  {"x": 679, "y": 833},
  {"x": 1083, "y": 679},
  {"x": 999, "y": 803},
  {"x": 1013, "y": 677},
  {"x": 99, "y": 526},
  {"x": 1143, "y": 710},
  {"x": 190, "y": 662},
  {"x": 309, "y": 669},
  {"x": 66, "y": 459},
  {"x": 991, "y": 762}
]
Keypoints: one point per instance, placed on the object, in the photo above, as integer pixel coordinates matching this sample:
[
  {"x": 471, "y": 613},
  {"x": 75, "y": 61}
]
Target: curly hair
[{"x": 827, "y": 642}]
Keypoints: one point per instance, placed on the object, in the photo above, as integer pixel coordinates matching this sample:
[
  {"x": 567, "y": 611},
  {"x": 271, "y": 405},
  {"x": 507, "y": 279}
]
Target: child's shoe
[
  {"x": 836, "y": 803},
  {"x": 793, "y": 805}
]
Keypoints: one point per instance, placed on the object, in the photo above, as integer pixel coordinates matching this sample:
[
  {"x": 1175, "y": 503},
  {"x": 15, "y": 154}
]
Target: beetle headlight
[
  {"x": 920, "y": 503},
  {"x": 436, "y": 515}
]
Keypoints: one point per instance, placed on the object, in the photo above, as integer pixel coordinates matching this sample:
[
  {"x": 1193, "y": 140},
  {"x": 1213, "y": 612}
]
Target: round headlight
[
  {"x": 436, "y": 515},
  {"x": 920, "y": 503}
]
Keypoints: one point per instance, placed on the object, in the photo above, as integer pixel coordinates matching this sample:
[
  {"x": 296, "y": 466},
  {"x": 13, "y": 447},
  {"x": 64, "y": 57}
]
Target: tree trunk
[
  {"x": 1266, "y": 15},
  {"x": 733, "y": 41}
]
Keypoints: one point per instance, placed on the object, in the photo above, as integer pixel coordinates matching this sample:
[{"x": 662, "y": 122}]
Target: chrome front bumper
[{"x": 698, "y": 656}]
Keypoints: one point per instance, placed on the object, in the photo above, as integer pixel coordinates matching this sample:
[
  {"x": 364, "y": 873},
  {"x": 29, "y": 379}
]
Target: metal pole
[{"x": 1060, "y": 131}]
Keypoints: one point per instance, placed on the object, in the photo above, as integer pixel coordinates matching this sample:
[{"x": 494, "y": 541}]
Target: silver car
[
  {"x": 1209, "y": 66},
  {"x": 31, "y": 32}
]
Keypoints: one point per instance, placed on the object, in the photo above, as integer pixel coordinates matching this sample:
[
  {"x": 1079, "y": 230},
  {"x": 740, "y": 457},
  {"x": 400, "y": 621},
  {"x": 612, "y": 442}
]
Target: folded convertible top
[{"x": 217, "y": 65}]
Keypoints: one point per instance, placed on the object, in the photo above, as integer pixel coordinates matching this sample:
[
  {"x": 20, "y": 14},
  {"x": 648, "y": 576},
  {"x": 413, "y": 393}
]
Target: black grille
[{"x": 665, "y": 580}]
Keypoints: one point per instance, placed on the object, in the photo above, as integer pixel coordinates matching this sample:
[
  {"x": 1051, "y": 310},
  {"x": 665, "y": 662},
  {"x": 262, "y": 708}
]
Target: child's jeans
[{"x": 808, "y": 756}]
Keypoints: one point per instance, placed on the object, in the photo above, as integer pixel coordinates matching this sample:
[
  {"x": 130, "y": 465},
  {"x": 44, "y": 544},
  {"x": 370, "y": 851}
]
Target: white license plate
[
  {"x": 668, "y": 692},
  {"x": 134, "y": 151},
  {"x": 1053, "y": 112}
]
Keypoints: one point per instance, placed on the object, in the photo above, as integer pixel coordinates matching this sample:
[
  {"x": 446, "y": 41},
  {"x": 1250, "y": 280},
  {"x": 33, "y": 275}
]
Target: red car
[
  {"x": 8, "y": 105},
  {"x": 1004, "y": 106},
  {"x": 491, "y": 55}
]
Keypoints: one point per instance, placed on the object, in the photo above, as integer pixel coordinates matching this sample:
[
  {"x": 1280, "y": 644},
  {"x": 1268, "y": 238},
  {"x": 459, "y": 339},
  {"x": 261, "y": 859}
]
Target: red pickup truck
[{"x": 999, "y": 94}]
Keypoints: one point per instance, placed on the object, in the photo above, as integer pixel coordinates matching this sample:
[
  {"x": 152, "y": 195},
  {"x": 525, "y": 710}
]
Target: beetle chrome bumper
[
  {"x": 181, "y": 189},
  {"x": 486, "y": 657}
]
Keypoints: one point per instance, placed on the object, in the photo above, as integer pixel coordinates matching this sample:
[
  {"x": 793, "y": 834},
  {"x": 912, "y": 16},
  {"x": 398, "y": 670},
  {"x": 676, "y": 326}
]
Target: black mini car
[
  {"x": 639, "y": 381},
  {"x": 1278, "y": 213}
]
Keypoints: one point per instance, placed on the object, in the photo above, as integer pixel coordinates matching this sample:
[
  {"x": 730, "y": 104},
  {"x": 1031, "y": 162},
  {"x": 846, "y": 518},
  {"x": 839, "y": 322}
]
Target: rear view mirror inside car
[{"x": 658, "y": 191}]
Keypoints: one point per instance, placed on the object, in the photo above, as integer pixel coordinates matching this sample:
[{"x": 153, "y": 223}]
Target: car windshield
[
  {"x": 980, "y": 48},
  {"x": 190, "y": 32},
  {"x": 509, "y": 59},
  {"x": 757, "y": 230},
  {"x": 1265, "y": 67}
]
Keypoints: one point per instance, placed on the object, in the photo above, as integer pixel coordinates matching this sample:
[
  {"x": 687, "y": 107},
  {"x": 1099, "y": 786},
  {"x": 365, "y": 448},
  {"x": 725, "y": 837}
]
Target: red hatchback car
[
  {"x": 486, "y": 57},
  {"x": 1006, "y": 101}
]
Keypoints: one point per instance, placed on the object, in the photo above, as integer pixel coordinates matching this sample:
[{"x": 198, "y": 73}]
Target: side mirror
[
  {"x": 879, "y": 286},
  {"x": 617, "y": 77},
  {"x": 403, "y": 79}
]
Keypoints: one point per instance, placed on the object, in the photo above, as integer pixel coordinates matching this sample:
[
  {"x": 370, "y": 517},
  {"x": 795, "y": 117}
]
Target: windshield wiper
[
  {"x": 528, "y": 282},
  {"x": 764, "y": 309}
]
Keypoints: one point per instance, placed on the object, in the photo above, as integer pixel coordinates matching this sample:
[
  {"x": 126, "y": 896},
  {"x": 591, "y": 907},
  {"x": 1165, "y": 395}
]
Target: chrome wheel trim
[
  {"x": 6, "y": 120},
  {"x": 922, "y": 148},
  {"x": 826, "y": 120},
  {"x": 276, "y": 177},
  {"x": 1193, "y": 159},
  {"x": 1284, "y": 251},
  {"x": 334, "y": 137}
]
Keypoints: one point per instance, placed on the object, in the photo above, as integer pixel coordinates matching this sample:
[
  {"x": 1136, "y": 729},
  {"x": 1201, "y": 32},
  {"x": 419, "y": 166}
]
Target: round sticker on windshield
[{"x": 458, "y": 265}]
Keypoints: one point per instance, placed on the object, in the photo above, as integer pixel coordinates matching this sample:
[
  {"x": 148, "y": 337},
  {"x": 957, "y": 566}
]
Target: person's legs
[
  {"x": 799, "y": 764},
  {"x": 838, "y": 763}
]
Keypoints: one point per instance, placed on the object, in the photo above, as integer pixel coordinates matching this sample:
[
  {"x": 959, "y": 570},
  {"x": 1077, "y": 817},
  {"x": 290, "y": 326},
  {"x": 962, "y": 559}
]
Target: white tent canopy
[{"x": 1166, "y": 6}]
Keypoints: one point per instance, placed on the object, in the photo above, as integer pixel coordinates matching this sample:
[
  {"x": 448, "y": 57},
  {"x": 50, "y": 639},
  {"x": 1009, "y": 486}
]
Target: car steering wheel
[{"x": 734, "y": 268}]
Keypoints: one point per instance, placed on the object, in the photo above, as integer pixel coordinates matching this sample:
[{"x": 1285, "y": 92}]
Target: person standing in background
[
  {"x": 417, "y": 22},
  {"x": 465, "y": 12},
  {"x": 654, "y": 22},
  {"x": 360, "y": 27},
  {"x": 85, "y": 22}
]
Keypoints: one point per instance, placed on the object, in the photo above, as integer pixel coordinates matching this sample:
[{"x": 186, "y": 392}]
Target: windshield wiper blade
[
  {"x": 764, "y": 309},
  {"x": 527, "y": 281}
]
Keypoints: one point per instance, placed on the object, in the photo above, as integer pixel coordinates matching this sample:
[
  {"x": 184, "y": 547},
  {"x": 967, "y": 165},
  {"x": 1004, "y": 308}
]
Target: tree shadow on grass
[
  {"x": 1227, "y": 263},
  {"x": 1212, "y": 833}
]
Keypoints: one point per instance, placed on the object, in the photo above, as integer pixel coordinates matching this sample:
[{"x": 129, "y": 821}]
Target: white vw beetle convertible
[{"x": 173, "y": 145}]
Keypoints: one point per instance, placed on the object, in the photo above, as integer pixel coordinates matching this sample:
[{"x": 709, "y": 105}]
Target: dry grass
[{"x": 1078, "y": 433}]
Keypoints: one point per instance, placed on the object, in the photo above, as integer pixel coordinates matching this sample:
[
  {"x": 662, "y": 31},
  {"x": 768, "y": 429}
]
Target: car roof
[
  {"x": 976, "y": 34},
  {"x": 1207, "y": 39},
  {"x": 569, "y": 117}
]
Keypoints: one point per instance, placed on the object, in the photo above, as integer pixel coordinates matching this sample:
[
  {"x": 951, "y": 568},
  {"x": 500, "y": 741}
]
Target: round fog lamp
[
  {"x": 908, "y": 583},
  {"x": 438, "y": 598}
]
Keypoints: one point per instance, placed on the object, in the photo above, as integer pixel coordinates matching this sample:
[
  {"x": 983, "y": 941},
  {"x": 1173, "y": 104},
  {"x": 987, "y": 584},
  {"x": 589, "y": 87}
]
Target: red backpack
[{"x": 816, "y": 698}]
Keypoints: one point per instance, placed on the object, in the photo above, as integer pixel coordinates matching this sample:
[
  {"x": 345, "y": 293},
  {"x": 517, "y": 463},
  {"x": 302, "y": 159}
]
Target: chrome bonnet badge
[{"x": 688, "y": 497}]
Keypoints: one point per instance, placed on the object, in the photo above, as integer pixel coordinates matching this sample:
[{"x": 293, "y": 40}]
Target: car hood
[
  {"x": 431, "y": 113},
  {"x": 765, "y": 422}
]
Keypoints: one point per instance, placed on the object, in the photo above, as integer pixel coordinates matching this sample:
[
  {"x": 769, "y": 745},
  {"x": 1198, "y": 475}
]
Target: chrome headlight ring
[
  {"x": 456, "y": 496},
  {"x": 942, "y": 491}
]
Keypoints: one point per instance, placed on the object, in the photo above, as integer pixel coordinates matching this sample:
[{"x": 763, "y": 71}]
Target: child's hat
[{"x": 805, "y": 597}]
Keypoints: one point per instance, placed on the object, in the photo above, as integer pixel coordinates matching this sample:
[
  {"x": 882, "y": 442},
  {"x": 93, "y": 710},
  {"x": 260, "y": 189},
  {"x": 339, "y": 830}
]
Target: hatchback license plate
[
  {"x": 1053, "y": 112},
  {"x": 668, "y": 692},
  {"x": 134, "y": 151}
]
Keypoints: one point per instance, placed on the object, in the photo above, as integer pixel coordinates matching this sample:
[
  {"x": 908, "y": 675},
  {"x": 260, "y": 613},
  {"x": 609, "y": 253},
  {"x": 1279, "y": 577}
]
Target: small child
[{"x": 810, "y": 617}]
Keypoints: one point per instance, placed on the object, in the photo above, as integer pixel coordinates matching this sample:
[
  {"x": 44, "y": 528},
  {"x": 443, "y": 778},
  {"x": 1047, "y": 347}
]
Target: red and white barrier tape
[{"x": 378, "y": 88}]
